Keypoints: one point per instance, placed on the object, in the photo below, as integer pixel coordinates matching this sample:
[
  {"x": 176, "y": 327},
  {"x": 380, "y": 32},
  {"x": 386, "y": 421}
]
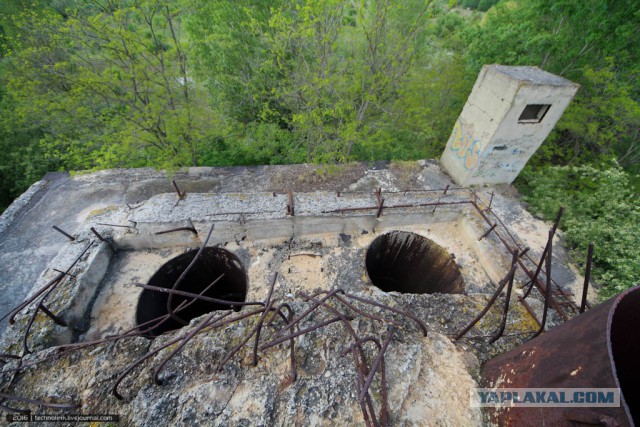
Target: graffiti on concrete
[{"x": 465, "y": 147}]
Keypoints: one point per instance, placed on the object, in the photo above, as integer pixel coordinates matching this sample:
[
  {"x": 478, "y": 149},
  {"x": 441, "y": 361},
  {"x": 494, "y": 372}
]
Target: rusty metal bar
[
  {"x": 195, "y": 296},
  {"x": 530, "y": 310},
  {"x": 52, "y": 316},
  {"x": 415, "y": 205},
  {"x": 395, "y": 310},
  {"x": 192, "y": 229},
  {"x": 108, "y": 242},
  {"x": 263, "y": 317},
  {"x": 70, "y": 405},
  {"x": 587, "y": 277},
  {"x": 376, "y": 363},
  {"x": 546, "y": 248},
  {"x": 65, "y": 273},
  {"x": 185, "y": 272},
  {"x": 64, "y": 233},
  {"x": 505, "y": 310},
  {"x": 547, "y": 296},
  {"x": 306, "y": 312},
  {"x": 290, "y": 206},
  {"x": 51, "y": 284},
  {"x": 360, "y": 351},
  {"x": 492, "y": 300},
  {"x": 180, "y": 193},
  {"x": 113, "y": 225},
  {"x": 306, "y": 330},
  {"x": 488, "y": 231},
  {"x": 206, "y": 321}
]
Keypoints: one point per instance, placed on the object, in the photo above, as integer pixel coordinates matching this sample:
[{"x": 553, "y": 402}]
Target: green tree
[{"x": 110, "y": 85}]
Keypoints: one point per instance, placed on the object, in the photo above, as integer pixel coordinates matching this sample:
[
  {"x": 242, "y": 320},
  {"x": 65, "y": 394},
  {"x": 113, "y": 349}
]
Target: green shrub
[{"x": 601, "y": 207}]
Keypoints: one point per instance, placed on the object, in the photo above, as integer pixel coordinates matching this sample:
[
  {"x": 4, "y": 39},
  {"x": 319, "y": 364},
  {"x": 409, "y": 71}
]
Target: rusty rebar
[
  {"x": 345, "y": 321},
  {"x": 69, "y": 405},
  {"x": 263, "y": 317},
  {"x": 64, "y": 233},
  {"x": 488, "y": 231},
  {"x": 191, "y": 229},
  {"x": 185, "y": 272},
  {"x": 304, "y": 331},
  {"x": 384, "y": 407},
  {"x": 113, "y": 225},
  {"x": 547, "y": 297},
  {"x": 57, "y": 320},
  {"x": 290, "y": 206},
  {"x": 505, "y": 310},
  {"x": 180, "y": 193},
  {"x": 376, "y": 363},
  {"x": 587, "y": 277},
  {"x": 196, "y": 296},
  {"x": 492, "y": 300},
  {"x": 544, "y": 252},
  {"x": 206, "y": 321},
  {"x": 395, "y": 310}
]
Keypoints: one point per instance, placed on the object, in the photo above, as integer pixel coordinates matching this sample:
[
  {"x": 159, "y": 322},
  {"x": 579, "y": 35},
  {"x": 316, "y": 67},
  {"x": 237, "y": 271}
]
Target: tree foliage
[{"x": 600, "y": 208}]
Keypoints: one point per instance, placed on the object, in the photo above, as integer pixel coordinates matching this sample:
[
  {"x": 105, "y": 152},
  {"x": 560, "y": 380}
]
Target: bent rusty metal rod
[
  {"x": 305, "y": 313},
  {"x": 384, "y": 409},
  {"x": 505, "y": 310},
  {"x": 207, "y": 320},
  {"x": 304, "y": 331},
  {"x": 419, "y": 322},
  {"x": 587, "y": 277},
  {"x": 263, "y": 317},
  {"x": 362, "y": 312},
  {"x": 254, "y": 331},
  {"x": 376, "y": 363},
  {"x": 197, "y": 296},
  {"x": 492, "y": 300},
  {"x": 410, "y": 205},
  {"x": 52, "y": 283},
  {"x": 215, "y": 323},
  {"x": 70, "y": 405},
  {"x": 46, "y": 311},
  {"x": 544, "y": 252},
  {"x": 362, "y": 368},
  {"x": 185, "y": 272},
  {"x": 287, "y": 320},
  {"x": 547, "y": 297},
  {"x": 135, "y": 331},
  {"x": 538, "y": 282}
]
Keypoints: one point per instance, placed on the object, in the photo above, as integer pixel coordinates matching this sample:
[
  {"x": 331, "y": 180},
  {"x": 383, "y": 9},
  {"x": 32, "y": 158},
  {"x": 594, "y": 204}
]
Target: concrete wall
[{"x": 488, "y": 144}]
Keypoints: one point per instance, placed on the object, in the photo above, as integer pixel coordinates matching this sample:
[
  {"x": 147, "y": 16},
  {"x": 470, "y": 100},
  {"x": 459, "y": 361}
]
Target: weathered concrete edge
[{"x": 7, "y": 217}]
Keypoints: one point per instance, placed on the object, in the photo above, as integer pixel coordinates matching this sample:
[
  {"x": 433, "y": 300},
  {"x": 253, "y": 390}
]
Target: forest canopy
[{"x": 169, "y": 84}]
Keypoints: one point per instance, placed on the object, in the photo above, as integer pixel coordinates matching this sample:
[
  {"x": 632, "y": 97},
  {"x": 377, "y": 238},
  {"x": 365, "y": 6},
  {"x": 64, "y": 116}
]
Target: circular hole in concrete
[
  {"x": 212, "y": 263},
  {"x": 409, "y": 263}
]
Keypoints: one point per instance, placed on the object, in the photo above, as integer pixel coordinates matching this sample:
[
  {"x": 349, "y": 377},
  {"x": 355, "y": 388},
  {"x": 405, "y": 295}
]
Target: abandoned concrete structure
[
  {"x": 368, "y": 294},
  {"x": 508, "y": 114}
]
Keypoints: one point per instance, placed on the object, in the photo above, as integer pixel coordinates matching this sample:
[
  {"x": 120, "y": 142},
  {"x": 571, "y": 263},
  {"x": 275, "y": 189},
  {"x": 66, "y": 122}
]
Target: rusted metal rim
[
  {"x": 597, "y": 349},
  {"x": 625, "y": 362}
]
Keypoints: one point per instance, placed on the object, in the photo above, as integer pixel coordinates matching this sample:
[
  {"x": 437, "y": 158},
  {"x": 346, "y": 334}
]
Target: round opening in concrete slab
[
  {"x": 211, "y": 264},
  {"x": 408, "y": 263}
]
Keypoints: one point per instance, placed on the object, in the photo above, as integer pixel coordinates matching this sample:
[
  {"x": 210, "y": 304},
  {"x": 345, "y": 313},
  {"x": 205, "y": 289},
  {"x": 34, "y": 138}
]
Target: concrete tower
[{"x": 509, "y": 113}]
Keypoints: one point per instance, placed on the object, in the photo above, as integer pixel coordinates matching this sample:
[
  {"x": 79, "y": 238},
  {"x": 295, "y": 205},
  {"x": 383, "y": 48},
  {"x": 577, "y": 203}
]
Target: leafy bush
[{"x": 601, "y": 207}]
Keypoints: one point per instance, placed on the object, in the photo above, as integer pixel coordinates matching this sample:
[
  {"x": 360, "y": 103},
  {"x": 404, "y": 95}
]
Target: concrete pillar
[{"x": 508, "y": 114}]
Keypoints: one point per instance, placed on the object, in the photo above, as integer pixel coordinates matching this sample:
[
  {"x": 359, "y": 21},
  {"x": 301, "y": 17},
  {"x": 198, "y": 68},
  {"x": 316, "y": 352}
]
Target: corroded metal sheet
[{"x": 597, "y": 349}]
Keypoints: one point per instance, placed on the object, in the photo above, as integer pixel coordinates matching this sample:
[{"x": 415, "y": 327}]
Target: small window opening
[{"x": 533, "y": 113}]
